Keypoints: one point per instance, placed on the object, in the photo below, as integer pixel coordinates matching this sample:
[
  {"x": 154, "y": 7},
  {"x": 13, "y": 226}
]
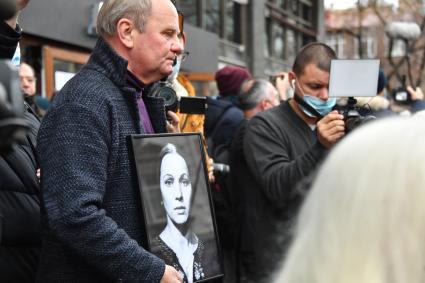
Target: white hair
[
  {"x": 113, "y": 10},
  {"x": 364, "y": 219}
]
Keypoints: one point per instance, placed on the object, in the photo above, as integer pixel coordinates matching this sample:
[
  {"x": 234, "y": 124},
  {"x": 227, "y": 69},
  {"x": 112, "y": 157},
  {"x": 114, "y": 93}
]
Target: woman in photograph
[{"x": 177, "y": 244}]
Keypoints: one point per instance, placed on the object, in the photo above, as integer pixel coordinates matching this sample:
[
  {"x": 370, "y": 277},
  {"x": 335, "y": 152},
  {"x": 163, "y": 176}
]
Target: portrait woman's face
[{"x": 176, "y": 187}]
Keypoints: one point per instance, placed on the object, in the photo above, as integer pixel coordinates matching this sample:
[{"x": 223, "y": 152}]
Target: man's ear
[{"x": 125, "y": 28}]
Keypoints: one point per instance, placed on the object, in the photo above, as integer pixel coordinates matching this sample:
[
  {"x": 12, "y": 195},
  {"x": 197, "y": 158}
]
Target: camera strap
[{"x": 307, "y": 106}]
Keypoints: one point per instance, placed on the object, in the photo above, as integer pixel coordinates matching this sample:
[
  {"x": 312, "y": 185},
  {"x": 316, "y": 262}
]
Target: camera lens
[{"x": 166, "y": 92}]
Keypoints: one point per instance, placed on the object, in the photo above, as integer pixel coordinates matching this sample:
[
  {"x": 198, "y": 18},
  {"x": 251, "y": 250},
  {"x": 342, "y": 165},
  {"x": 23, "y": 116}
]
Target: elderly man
[{"x": 93, "y": 225}]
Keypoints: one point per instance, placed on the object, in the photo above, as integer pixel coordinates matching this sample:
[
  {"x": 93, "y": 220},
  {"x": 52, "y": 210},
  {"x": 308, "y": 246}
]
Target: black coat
[{"x": 20, "y": 232}]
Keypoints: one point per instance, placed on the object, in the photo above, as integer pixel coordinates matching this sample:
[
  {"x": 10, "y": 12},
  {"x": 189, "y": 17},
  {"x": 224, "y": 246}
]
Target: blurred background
[{"x": 262, "y": 35}]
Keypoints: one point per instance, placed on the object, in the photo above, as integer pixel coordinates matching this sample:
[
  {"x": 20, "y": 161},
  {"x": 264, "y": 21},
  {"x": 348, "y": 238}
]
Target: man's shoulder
[{"x": 87, "y": 87}]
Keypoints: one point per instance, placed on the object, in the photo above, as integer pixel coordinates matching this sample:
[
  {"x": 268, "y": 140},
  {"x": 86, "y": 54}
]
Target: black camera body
[
  {"x": 12, "y": 125},
  {"x": 353, "y": 116},
  {"x": 401, "y": 96},
  {"x": 184, "y": 104}
]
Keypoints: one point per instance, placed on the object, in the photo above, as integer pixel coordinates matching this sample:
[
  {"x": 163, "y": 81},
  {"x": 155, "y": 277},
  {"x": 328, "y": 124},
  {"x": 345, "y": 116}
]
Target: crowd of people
[{"x": 301, "y": 201}]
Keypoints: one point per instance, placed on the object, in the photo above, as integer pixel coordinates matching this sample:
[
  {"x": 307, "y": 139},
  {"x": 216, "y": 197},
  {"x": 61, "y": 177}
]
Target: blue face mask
[{"x": 321, "y": 106}]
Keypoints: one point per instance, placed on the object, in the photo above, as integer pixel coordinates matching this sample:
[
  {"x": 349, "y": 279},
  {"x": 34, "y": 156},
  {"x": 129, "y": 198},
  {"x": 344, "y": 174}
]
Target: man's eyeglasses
[{"x": 183, "y": 56}]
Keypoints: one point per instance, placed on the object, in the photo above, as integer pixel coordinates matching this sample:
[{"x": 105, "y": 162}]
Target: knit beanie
[{"x": 230, "y": 78}]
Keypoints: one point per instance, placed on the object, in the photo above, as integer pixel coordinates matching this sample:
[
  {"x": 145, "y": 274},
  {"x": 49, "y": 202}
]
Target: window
[
  {"x": 336, "y": 42},
  {"x": 190, "y": 11},
  {"x": 289, "y": 26},
  {"x": 368, "y": 47},
  {"x": 222, "y": 17}
]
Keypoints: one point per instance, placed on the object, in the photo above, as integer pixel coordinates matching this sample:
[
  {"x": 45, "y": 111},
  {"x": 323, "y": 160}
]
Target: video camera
[
  {"x": 12, "y": 125},
  {"x": 184, "y": 104},
  {"x": 354, "y": 78},
  {"x": 401, "y": 95}
]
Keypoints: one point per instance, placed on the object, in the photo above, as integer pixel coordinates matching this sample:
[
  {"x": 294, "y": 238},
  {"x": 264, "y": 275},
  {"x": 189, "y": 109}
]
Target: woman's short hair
[
  {"x": 363, "y": 220},
  {"x": 113, "y": 10}
]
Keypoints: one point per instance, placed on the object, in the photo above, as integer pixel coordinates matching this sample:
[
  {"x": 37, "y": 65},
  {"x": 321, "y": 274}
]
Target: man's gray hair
[
  {"x": 258, "y": 92},
  {"x": 113, "y": 10}
]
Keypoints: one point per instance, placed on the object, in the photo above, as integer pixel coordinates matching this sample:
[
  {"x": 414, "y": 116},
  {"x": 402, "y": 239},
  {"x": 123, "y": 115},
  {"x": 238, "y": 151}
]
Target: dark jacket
[
  {"x": 92, "y": 217},
  {"x": 229, "y": 116},
  {"x": 9, "y": 39},
  {"x": 20, "y": 231}
]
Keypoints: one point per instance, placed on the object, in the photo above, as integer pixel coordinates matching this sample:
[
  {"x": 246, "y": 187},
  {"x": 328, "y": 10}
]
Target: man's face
[
  {"x": 313, "y": 81},
  {"x": 27, "y": 79},
  {"x": 156, "y": 47}
]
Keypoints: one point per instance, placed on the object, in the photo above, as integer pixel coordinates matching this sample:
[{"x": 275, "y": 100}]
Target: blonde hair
[
  {"x": 363, "y": 220},
  {"x": 113, "y": 10}
]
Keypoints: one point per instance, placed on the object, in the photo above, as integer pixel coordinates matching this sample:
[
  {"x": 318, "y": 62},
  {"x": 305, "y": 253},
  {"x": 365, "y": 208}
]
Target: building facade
[{"x": 262, "y": 35}]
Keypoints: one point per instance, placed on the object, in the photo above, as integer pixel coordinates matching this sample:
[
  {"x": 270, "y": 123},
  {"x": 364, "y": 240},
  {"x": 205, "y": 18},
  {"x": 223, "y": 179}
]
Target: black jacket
[
  {"x": 20, "y": 232},
  {"x": 222, "y": 119}
]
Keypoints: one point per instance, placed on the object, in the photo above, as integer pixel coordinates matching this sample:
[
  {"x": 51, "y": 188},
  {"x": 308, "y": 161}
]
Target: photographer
[
  {"x": 282, "y": 146},
  {"x": 20, "y": 232}
]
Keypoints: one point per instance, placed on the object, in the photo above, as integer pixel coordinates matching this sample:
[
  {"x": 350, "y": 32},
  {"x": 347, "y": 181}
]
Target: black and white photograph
[{"x": 177, "y": 208}]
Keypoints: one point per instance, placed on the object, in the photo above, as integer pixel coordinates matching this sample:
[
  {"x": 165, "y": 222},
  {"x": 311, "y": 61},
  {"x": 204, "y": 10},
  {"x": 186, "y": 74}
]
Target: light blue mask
[
  {"x": 321, "y": 106},
  {"x": 176, "y": 70},
  {"x": 16, "y": 60}
]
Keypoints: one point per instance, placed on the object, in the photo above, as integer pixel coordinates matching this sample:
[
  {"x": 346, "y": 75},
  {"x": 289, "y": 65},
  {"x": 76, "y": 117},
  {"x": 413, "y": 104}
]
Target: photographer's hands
[
  {"x": 282, "y": 85},
  {"x": 415, "y": 94},
  {"x": 173, "y": 122},
  {"x": 330, "y": 129}
]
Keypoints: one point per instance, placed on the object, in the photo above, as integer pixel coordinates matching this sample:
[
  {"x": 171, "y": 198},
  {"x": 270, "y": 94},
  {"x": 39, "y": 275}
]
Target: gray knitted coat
[{"x": 92, "y": 221}]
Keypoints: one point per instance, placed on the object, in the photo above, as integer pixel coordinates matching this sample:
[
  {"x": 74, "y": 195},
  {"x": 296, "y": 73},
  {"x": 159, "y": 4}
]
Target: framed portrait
[{"x": 177, "y": 205}]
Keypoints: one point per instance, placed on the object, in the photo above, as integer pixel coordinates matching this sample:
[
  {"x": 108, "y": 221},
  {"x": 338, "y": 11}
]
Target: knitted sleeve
[{"x": 73, "y": 144}]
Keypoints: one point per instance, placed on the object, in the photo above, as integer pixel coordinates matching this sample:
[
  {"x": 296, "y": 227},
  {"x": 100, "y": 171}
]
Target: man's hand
[
  {"x": 330, "y": 129},
  {"x": 173, "y": 125},
  {"x": 282, "y": 85},
  {"x": 415, "y": 94},
  {"x": 171, "y": 275},
  {"x": 210, "y": 164}
]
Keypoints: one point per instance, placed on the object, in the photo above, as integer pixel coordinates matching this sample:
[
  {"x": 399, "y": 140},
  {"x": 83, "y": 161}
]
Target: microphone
[
  {"x": 7, "y": 9},
  {"x": 403, "y": 30}
]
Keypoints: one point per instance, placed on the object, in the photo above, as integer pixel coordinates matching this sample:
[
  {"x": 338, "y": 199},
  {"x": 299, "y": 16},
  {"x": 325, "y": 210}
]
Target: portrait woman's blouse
[{"x": 170, "y": 258}]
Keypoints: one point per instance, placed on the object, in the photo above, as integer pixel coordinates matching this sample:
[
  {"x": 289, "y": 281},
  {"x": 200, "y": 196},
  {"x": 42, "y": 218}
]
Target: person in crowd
[
  {"x": 383, "y": 105},
  {"x": 28, "y": 87},
  {"x": 258, "y": 95},
  {"x": 20, "y": 231},
  {"x": 10, "y": 34},
  {"x": 284, "y": 145},
  {"x": 92, "y": 220},
  {"x": 362, "y": 220},
  {"x": 27, "y": 80},
  {"x": 223, "y": 115},
  {"x": 177, "y": 244}
]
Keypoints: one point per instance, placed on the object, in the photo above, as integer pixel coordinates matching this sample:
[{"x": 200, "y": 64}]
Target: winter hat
[{"x": 230, "y": 78}]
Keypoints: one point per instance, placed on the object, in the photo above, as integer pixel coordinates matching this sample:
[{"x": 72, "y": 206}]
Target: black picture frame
[{"x": 200, "y": 222}]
